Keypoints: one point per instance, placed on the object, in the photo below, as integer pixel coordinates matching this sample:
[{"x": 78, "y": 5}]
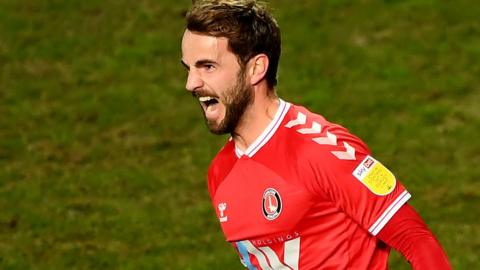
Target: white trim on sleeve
[{"x": 389, "y": 212}]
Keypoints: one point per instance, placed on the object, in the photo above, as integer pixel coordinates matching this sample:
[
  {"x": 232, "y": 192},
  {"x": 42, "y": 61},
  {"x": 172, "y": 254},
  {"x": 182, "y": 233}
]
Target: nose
[{"x": 193, "y": 81}]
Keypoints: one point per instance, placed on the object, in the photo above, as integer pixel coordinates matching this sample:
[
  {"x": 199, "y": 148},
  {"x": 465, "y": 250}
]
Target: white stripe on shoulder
[
  {"x": 301, "y": 120},
  {"x": 389, "y": 212}
]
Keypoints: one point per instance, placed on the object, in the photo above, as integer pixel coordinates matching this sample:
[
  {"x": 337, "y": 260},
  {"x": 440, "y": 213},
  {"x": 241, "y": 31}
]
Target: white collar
[{"x": 267, "y": 133}]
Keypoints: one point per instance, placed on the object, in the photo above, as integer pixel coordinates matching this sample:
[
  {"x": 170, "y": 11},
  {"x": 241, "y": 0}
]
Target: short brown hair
[{"x": 248, "y": 25}]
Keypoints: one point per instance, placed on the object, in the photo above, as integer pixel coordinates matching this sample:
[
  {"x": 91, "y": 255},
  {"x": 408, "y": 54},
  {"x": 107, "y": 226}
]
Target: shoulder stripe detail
[
  {"x": 348, "y": 154},
  {"x": 301, "y": 120},
  {"x": 316, "y": 128},
  {"x": 329, "y": 139},
  {"x": 389, "y": 212}
]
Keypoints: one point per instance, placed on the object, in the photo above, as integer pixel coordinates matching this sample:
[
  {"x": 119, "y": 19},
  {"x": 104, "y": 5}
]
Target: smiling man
[{"x": 290, "y": 189}]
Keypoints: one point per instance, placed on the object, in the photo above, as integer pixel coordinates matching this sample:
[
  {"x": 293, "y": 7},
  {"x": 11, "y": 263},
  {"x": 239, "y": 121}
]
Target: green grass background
[{"x": 103, "y": 154}]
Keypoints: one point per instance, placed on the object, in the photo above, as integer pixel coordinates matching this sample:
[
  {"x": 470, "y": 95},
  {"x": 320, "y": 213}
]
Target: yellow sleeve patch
[{"x": 376, "y": 177}]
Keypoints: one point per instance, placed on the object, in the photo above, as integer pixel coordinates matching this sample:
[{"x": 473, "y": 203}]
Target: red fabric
[
  {"x": 307, "y": 171},
  {"x": 407, "y": 233}
]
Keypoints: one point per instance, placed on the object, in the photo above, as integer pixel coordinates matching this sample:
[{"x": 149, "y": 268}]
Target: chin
[{"x": 215, "y": 128}]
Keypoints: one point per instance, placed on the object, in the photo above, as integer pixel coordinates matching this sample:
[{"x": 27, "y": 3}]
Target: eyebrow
[{"x": 199, "y": 63}]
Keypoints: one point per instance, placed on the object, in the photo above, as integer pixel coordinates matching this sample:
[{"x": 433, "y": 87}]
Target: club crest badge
[{"x": 271, "y": 204}]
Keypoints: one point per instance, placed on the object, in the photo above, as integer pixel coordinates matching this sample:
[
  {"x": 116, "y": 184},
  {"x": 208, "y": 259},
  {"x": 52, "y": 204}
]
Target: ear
[{"x": 258, "y": 68}]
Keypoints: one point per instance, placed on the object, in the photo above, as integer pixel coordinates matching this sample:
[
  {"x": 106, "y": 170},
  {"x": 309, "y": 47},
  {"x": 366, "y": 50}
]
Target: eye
[{"x": 209, "y": 67}]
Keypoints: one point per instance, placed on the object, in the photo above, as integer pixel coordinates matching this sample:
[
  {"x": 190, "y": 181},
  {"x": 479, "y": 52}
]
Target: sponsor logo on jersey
[
  {"x": 277, "y": 239},
  {"x": 368, "y": 162},
  {"x": 376, "y": 177},
  {"x": 221, "y": 208},
  {"x": 271, "y": 204}
]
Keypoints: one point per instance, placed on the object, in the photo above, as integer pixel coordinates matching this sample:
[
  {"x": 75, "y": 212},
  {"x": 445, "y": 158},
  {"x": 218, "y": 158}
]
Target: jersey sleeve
[
  {"x": 407, "y": 233},
  {"x": 346, "y": 174}
]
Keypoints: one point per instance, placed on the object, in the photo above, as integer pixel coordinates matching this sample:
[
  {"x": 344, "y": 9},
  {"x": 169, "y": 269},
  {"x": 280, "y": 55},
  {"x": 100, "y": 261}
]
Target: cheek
[
  {"x": 225, "y": 81},
  {"x": 226, "y": 92},
  {"x": 223, "y": 85}
]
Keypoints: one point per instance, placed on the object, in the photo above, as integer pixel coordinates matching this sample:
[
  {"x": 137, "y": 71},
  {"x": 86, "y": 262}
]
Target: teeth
[{"x": 205, "y": 99}]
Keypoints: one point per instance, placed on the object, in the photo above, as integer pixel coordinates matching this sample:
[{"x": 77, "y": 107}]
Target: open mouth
[
  {"x": 208, "y": 101},
  {"x": 211, "y": 107}
]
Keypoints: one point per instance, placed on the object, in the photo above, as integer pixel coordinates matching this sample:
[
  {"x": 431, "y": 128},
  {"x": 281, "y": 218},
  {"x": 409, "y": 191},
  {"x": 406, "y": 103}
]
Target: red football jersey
[{"x": 305, "y": 195}]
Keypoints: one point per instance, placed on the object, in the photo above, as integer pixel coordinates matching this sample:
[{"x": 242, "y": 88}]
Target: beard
[{"x": 236, "y": 100}]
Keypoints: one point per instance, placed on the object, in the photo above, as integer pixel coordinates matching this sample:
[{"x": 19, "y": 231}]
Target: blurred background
[{"x": 103, "y": 154}]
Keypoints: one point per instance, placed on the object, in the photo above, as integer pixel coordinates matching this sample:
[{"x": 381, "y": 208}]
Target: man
[{"x": 291, "y": 190}]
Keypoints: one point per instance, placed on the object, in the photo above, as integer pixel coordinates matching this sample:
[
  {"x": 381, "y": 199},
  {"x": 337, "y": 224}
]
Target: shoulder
[
  {"x": 315, "y": 137},
  {"x": 325, "y": 153}
]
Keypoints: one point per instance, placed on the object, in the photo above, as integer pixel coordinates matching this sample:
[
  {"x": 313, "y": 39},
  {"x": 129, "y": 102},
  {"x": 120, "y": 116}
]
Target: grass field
[{"x": 103, "y": 155}]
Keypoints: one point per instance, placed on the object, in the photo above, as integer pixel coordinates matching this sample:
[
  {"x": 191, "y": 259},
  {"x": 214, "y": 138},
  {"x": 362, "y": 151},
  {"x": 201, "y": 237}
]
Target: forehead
[{"x": 196, "y": 46}]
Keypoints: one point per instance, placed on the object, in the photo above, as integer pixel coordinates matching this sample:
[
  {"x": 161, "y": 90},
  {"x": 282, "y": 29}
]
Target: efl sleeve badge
[{"x": 376, "y": 177}]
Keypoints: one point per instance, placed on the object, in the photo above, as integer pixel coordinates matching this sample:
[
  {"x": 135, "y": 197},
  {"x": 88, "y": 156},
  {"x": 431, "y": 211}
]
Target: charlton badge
[{"x": 272, "y": 204}]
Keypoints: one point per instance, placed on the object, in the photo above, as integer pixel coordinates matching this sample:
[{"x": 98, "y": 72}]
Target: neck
[{"x": 255, "y": 119}]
